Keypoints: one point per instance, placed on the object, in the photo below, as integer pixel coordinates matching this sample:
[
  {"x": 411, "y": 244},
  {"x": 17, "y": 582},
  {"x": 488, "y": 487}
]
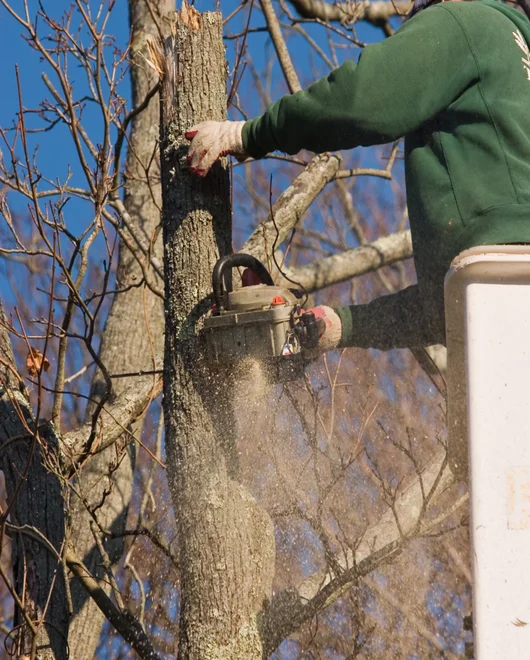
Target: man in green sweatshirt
[{"x": 454, "y": 81}]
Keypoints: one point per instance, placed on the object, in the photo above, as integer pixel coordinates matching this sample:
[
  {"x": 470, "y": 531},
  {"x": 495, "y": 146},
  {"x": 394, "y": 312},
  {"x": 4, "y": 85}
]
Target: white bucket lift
[{"x": 487, "y": 303}]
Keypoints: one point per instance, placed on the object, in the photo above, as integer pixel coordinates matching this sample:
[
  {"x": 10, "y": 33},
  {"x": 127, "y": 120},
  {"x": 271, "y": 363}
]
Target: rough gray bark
[
  {"x": 35, "y": 498},
  {"x": 226, "y": 540},
  {"x": 135, "y": 319},
  {"x": 128, "y": 407}
]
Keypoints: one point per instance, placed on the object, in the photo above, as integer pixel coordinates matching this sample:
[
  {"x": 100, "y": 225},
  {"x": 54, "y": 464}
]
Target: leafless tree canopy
[{"x": 314, "y": 519}]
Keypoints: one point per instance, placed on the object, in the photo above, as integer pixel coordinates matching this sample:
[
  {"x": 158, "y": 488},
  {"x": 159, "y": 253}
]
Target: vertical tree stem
[{"x": 226, "y": 540}]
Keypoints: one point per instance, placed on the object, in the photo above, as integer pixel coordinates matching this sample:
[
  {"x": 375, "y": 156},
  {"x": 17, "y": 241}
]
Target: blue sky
[
  {"x": 56, "y": 155},
  {"x": 55, "y": 148}
]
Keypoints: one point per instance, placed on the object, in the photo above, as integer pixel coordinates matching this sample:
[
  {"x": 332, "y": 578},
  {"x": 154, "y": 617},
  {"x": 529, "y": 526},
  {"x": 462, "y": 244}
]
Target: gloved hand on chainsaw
[
  {"x": 329, "y": 327},
  {"x": 212, "y": 139}
]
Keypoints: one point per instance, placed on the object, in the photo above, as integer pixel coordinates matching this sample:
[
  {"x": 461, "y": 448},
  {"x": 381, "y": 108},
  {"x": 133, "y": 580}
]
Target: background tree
[{"x": 345, "y": 470}]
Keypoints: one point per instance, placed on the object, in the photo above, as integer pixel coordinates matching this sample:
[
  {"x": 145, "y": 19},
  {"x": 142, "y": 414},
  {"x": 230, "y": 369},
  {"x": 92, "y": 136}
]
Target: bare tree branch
[
  {"x": 377, "y": 12},
  {"x": 127, "y": 625},
  {"x": 291, "y": 205},
  {"x": 281, "y": 48},
  {"x": 381, "y": 541},
  {"x": 133, "y": 333},
  {"x": 405, "y": 610},
  {"x": 352, "y": 263},
  {"x": 115, "y": 419}
]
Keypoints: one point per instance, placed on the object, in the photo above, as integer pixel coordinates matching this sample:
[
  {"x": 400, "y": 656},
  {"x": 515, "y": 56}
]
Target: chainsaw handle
[
  {"x": 225, "y": 264},
  {"x": 307, "y": 330}
]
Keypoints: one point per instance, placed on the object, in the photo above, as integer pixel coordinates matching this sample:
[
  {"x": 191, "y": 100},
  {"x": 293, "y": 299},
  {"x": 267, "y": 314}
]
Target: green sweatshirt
[{"x": 455, "y": 82}]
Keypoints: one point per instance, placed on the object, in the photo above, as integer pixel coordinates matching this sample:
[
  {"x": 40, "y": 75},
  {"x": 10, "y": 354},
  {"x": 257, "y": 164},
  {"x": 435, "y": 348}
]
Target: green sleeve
[
  {"x": 395, "y": 321},
  {"x": 397, "y": 86}
]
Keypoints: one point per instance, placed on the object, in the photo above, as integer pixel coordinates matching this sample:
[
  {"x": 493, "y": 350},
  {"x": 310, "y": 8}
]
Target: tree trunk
[
  {"x": 226, "y": 540},
  {"x": 35, "y": 498},
  {"x": 135, "y": 319}
]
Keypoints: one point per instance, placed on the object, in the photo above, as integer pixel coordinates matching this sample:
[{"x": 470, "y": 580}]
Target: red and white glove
[
  {"x": 329, "y": 327},
  {"x": 212, "y": 139}
]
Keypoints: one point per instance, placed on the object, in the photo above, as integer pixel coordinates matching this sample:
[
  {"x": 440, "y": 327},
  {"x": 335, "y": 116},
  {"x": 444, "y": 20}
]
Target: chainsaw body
[{"x": 261, "y": 321}]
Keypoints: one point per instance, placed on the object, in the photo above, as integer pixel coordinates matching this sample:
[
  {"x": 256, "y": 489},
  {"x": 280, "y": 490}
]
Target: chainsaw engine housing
[{"x": 258, "y": 321}]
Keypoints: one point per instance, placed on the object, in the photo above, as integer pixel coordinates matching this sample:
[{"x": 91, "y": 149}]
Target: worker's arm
[
  {"x": 397, "y": 86},
  {"x": 395, "y": 321}
]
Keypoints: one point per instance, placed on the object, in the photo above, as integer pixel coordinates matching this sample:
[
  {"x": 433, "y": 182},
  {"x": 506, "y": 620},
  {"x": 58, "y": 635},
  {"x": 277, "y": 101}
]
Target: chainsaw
[{"x": 259, "y": 320}]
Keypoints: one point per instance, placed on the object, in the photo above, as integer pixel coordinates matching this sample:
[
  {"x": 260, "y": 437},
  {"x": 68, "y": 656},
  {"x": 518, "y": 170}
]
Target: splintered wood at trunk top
[{"x": 226, "y": 539}]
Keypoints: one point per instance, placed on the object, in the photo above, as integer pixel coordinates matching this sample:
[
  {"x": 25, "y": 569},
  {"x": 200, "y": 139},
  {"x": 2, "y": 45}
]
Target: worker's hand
[
  {"x": 212, "y": 139},
  {"x": 329, "y": 327}
]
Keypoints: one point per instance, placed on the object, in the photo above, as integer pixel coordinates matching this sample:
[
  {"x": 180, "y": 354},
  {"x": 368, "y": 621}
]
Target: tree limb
[
  {"x": 126, "y": 625},
  {"x": 376, "y": 13},
  {"x": 132, "y": 337},
  {"x": 280, "y": 46},
  {"x": 352, "y": 263},
  {"x": 406, "y": 611},
  {"x": 291, "y": 205},
  {"x": 35, "y": 499},
  {"x": 115, "y": 418}
]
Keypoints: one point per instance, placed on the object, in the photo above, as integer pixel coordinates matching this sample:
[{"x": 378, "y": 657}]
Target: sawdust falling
[
  {"x": 301, "y": 455},
  {"x": 252, "y": 372},
  {"x": 253, "y": 388}
]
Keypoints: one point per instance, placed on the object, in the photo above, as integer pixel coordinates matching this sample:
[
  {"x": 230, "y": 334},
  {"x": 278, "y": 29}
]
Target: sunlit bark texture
[
  {"x": 226, "y": 539},
  {"x": 35, "y": 504},
  {"x": 133, "y": 333}
]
